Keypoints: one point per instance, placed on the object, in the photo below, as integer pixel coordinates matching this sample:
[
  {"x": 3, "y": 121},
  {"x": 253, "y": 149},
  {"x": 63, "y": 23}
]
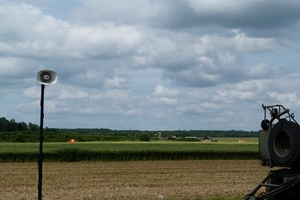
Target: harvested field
[{"x": 202, "y": 179}]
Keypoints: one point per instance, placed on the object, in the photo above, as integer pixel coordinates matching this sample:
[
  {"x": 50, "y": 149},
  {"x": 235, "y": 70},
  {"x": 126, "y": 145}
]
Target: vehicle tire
[
  {"x": 265, "y": 124},
  {"x": 284, "y": 140}
]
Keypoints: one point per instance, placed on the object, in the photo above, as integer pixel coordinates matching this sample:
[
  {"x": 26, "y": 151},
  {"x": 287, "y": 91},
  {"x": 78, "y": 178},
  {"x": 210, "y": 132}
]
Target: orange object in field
[{"x": 72, "y": 141}]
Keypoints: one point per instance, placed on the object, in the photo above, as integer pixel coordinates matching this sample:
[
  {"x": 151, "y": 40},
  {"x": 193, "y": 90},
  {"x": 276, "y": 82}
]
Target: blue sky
[{"x": 149, "y": 65}]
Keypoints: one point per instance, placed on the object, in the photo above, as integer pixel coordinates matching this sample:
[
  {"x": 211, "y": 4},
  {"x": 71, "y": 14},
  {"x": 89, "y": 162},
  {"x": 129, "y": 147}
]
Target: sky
[{"x": 149, "y": 64}]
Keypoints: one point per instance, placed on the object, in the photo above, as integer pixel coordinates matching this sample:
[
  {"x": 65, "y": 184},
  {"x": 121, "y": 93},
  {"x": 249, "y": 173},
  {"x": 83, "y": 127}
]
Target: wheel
[
  {"x": 265, "y": 124},
  {"x": 284, "y": 140}
]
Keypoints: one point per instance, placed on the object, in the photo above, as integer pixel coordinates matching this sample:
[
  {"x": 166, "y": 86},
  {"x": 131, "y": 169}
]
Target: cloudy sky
[{"x": 150, "y": 64}]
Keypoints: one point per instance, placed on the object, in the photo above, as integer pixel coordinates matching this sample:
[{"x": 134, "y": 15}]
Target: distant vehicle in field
[
  {"x": 171, "y": 137},
  {"x": 209, "y": 139},
  {"x": 206, "y": 138}
]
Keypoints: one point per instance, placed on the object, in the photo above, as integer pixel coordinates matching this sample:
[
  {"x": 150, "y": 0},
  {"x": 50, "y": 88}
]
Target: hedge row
[{"x": 76, "y": 155}]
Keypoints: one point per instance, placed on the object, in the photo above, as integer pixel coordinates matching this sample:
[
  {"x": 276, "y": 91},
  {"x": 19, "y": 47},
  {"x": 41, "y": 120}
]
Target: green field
[{"x": 225, "y": 148}]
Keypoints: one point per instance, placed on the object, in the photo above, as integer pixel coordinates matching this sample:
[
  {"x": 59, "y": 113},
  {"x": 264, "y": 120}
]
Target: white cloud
[
  {"x": 149, "y": 64},
  {"x": 116, "y": 12},
  {"x": 261, "y": 70},
  {"x": 102, "y": 41},
  {"x": 160, "y": 90},
  {"x": 32, "y": 92},
  {"x": 71, "y": 93},
  {"x": 239, "y": 42},
  {"x": 116, "y": 82}
]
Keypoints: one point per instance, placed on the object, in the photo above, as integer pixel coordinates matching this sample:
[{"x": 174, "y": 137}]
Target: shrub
[{"x": 144, "y": 137}]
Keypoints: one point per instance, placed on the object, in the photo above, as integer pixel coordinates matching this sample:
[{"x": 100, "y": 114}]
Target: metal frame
[
  {"x": 281, "y": 111},
  {"x": 278, "y": 188}
]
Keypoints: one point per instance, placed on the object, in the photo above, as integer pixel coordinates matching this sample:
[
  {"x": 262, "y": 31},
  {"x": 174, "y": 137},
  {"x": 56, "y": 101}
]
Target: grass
[
  {"x": 226, "y": 144},
  {"x": 175, "y": 180},
  {"x": 227, "y": 148}
]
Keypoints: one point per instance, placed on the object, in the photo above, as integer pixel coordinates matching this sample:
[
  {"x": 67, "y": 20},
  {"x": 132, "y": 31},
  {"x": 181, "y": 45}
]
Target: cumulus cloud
[
  {"x": 148, "y": 64},
  {"x": 112, "y": 11},
  {"x": 249, "y": 15}
]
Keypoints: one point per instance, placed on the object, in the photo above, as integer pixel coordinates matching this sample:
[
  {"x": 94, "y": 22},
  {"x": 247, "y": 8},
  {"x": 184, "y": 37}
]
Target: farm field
[
  {"x": 225, "y": 148},
  {"x": 250, "y": 144},
  {"x": 201, "y": 179}
]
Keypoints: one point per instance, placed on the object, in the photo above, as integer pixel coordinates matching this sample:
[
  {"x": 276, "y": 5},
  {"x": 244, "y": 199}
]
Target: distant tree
[
  {"x": 33, "y": 127},
  {"x": 3, "y": 124}
]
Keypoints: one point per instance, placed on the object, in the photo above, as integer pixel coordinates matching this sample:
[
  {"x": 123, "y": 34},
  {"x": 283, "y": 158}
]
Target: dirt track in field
[{"x": 202, "y": 179}]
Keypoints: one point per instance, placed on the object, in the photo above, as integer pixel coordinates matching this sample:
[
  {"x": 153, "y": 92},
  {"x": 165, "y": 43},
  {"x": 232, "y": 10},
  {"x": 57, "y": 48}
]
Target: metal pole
[{"x": 40, "y": 157}]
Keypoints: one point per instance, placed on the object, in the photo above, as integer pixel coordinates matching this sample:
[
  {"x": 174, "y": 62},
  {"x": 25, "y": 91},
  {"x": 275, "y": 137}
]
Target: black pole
[{"x": 40, "y": 158}]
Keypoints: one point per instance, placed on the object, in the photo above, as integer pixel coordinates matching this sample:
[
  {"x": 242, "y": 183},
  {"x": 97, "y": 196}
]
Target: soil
[{"x": 203, "y": 179}]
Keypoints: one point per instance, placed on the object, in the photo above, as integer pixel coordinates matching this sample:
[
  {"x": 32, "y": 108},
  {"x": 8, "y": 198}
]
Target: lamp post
[{"x": 44, "y": 77}]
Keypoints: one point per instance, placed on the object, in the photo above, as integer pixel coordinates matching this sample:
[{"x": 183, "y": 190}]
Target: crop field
[
  {"x": 227, "y": 148},
  {"x": 227, "y": 169},
  {"x": 201, "y": 179}
]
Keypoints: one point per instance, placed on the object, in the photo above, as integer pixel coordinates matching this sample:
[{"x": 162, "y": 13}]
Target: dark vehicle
[
  {"x": 279, "y": 145},
  {"x": 171, "y": 137}
]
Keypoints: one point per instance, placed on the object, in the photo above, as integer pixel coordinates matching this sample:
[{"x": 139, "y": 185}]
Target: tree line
[
  {"x": 12, "y": 131},
  {"x": 12, "y": 125}
]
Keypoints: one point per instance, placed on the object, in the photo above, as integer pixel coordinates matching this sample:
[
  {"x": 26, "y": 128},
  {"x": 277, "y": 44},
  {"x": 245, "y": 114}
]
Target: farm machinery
[{"x": 279, "y": 146}]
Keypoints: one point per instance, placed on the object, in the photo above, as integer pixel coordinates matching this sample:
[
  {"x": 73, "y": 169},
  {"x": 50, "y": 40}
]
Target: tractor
[{"x": 279, "y": 146}]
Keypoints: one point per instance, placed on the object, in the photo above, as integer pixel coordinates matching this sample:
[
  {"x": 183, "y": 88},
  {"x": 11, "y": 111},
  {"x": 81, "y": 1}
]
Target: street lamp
[{"x": 44, "y": 77}]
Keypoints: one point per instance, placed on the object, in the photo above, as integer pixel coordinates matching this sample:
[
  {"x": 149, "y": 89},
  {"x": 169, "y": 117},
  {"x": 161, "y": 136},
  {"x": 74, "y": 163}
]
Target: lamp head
[{"x": 47, "y": 77}]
